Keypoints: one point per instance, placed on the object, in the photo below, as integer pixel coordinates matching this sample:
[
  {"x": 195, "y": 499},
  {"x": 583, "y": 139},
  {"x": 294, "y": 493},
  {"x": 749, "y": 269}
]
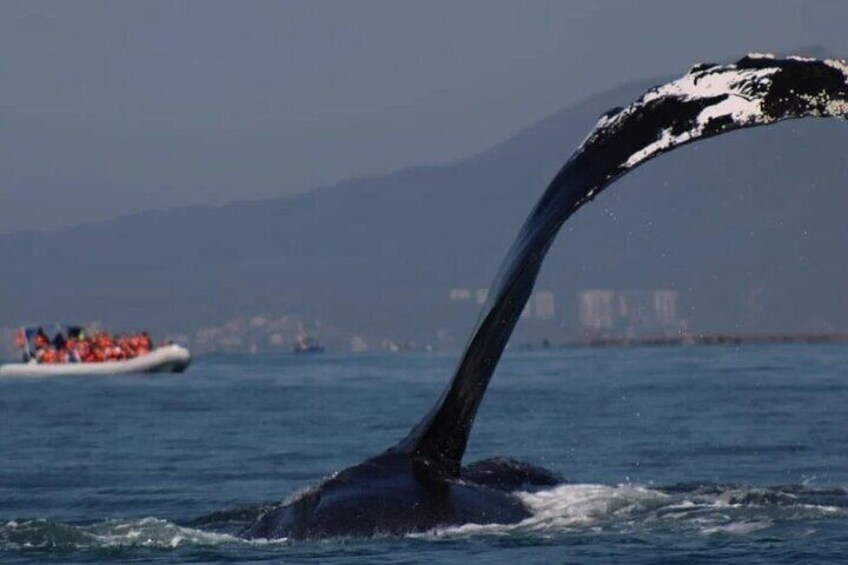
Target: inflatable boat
[{"x": 164, "y": 359}]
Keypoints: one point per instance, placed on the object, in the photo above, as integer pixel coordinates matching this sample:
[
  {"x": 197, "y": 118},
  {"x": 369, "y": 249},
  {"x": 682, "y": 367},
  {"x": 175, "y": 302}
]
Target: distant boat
[{"x": 308, "y": 344}]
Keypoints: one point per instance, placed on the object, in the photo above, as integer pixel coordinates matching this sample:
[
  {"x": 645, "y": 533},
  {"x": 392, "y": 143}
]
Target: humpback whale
[{"x": 420, "y": 483}]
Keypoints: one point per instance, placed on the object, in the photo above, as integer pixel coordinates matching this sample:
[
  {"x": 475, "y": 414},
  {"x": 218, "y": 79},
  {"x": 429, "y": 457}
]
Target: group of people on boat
[{"x": 77, "y": 346}]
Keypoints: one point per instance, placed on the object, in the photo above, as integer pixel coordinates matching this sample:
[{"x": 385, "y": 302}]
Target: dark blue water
[{"x": 675, "y": 454}]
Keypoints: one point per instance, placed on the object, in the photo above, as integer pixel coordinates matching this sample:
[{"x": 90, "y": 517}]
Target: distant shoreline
[{"x": 714, "y": 339}]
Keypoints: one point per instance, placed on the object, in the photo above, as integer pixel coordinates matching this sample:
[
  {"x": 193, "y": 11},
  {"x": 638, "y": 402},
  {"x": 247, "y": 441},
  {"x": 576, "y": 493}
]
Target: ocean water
[{"x": 672, "y": 455}]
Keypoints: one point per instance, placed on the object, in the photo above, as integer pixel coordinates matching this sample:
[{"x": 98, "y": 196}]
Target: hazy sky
[{"x": 111, "y": 107}]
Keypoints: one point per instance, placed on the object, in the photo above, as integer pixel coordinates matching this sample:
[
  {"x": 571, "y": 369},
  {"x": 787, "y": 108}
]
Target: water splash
[
  {"x": 140, "y": 533},
  {"x": 575, "y": 513},
  {"x": 589, "y": 510}
]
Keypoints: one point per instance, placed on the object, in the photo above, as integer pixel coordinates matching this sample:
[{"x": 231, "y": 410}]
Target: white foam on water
[
  {"x": 154, "y": 532},
  {"x": 594, "y": 509},
  {"x": 145, "y": 532},
  {"x": 581, "y": 505},
  {"x": 737, "y": 528},
  {"x": 566, "y": 508},
  {"x": 574, "y": 509}
]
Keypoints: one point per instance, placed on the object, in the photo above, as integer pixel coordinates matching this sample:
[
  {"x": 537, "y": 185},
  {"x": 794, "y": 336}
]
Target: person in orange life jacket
[
  {"x": 146, "y": 345},
  {"x": 40, "y": 341},
  {"x": 72, "y": 347}
]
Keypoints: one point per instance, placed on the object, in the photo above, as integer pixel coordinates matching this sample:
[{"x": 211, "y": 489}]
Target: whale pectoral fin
[
  {"x": 708, "y": 101},
  {"x": 508, "y": 474}
]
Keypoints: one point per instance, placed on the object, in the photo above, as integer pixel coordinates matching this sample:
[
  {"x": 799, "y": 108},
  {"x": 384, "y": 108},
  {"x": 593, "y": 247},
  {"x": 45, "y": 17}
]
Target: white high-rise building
[
  {"x": 481, "y": 295},
  {"x": 665, "y": 307},
  {"x": 629, "y": 313},
  {"x": 596, "y": 310},
  {"x": 543, "y": 305},
  {"x": 460, "y": 294}
]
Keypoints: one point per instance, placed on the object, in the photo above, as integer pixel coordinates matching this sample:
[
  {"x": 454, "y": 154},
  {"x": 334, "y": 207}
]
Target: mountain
[{"x": 748, "y": 228}]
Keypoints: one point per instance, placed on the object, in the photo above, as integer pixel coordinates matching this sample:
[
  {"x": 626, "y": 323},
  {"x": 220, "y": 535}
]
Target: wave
[
  {"x": 145, "y": 532},
  {"x": 586, "y": 511},
  {"x": 697, "y": 509}
]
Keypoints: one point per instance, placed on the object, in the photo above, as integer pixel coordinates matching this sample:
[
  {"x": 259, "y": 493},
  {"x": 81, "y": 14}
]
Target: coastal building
[
  {"x": 605, "y": 313},
  {"x": 543, "y": 305},
  {"x": 482, "y": 294},
  {"x": 596, "y": 311},
  {"x": 460, "y": 295},
  {"x": 665, "y": 307}
]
